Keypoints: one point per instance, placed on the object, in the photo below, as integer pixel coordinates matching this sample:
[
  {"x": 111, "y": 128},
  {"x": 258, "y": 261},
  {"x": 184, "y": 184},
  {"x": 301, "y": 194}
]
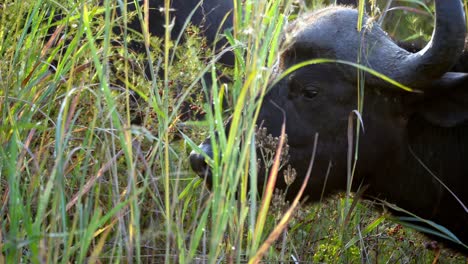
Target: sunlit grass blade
[
  {"x": 426, "y": 226},
  {"x": 268, "y": 192},
  {"x": 358, "y": 66},
  {"x": 369, "y": 228},
  {"x": 288, "y": 215}
]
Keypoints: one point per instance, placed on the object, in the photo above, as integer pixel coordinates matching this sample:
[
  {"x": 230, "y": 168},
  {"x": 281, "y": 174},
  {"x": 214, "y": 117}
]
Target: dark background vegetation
[{"x": 93, "y": 149}]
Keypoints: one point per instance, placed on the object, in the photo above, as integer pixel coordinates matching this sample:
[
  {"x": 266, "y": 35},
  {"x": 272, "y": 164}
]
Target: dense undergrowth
[{"x": 94, "y": 140}]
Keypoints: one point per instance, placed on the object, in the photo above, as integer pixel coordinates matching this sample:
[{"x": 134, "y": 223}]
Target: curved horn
[
  {"x": 331, "y": 33},
  {"x": 442, "y": 52}
]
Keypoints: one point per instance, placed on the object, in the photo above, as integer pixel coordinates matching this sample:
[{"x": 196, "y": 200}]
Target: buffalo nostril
[{"x": 198, "y": 163}]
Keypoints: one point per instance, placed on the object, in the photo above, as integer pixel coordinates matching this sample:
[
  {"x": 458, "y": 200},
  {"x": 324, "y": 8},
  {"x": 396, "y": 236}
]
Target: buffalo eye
[
  {"x": 309, "y": 93},
  {"x": 296, "y": 89}
]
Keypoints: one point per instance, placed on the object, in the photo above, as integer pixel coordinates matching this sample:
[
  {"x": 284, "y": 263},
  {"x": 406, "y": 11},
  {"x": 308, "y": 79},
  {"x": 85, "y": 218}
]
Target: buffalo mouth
[{"x": 265, "y": 143}]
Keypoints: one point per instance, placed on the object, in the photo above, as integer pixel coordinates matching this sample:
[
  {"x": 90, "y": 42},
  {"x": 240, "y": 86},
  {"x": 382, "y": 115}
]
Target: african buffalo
[{"x": 413, "y": 150}]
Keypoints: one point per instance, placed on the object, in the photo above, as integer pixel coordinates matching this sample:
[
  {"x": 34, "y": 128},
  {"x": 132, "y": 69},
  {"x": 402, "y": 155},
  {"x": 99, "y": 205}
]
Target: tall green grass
[{"x": 79, "y": 182}]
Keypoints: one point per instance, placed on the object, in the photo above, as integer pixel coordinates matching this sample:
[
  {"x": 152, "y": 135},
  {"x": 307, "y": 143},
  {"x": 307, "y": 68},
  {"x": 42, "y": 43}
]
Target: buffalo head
[{"x": 413, "y": 150}]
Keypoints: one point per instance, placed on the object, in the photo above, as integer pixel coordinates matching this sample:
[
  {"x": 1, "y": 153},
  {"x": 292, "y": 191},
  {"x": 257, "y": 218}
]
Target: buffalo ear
[{"x": 446, "y": 103}]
